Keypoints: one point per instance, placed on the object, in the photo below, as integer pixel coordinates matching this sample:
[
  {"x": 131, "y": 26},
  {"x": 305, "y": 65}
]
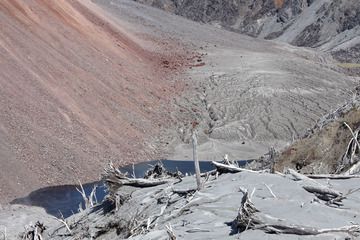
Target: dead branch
[
  {"x": 92, "y": 197},
  {"x": 298, "y": 176},
  {"x": 350, "y": 149},
  {"x": 170, "y": 232},
  {"x": 63, "y": 221},
  {"x": 332, "y": 176},
  {"x": 305, "y": 230},
  {"x": 114, "y": 179},
  {"x": 321, "y": 191},
  {"x": 114, "y": 175},
  {"x": 133, "y": 169},
  {"x": 211, "y": 173},
  {"x": 271, "y": 192},
  {"x": 89, "y": 201},
  {"x": 247, "y": 209},
  {"x": 249, "y": 217},
  {"x": 353, "y": 135},
  {"x": 223, "y": 168}
]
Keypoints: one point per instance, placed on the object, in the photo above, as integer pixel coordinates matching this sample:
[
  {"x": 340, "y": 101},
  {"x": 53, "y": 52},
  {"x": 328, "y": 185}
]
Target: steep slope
[
  {"x": 245, "y": 94},
  {"x": 328, "y": 24},
  {"x": 327, "y": 147},
  {"x": 85, "y": 82},
  {"x": 77, "y": 90}
]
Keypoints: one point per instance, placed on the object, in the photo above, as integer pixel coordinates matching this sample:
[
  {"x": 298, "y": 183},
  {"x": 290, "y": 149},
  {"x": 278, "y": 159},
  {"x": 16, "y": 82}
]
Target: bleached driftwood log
[
  {"x": 225, "y": 168},
  {"x": 211, "y": 172},
  {"x": 249, "y": 217},
  {"x": 113, "y": 176},
  {"x": 321, "y": 191},
  {"x": 114, "y": 179},
  {"x": 332, "y": 176}
]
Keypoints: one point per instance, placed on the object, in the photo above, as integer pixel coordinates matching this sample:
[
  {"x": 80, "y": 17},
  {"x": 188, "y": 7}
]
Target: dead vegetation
[
  {"x": 114, "y": 179},
  {"x": 249, "y": 217},
  {"x": 34, "y": 232},
  {"x": 139, "y": 213},
  {"x": 133, "y": 214},
  {"x": 331, "y": 146}
]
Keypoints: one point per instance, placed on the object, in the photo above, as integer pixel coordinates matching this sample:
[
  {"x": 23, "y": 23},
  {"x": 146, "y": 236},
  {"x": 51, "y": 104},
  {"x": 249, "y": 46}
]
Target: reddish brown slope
[{"x": 75, "y": 92}]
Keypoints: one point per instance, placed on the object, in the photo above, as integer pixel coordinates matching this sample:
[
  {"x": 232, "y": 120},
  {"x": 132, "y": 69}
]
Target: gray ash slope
[
  {"x": 209, "y": 213},
  {"x": 325, "y": 24},
  {"x": 246, "y": 94}
]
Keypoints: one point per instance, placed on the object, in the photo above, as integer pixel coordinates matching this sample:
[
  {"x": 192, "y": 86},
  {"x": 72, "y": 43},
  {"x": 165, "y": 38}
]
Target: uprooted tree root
[
  {"x": 249, "y": 217},
  {"x": 114, "y": 179},
  {"x": 34, "y": 232}
]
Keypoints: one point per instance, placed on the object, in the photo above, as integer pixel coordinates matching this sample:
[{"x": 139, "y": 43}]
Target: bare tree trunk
[
  {"x": 272, "y": 159},
  {"x": 196, "y": 161}
]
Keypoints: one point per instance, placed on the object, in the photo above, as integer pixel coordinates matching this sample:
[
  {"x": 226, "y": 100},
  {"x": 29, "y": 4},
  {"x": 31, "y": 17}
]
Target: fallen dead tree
[
  {"x": 249, "y": 217},
  {"x": 332, "y": 176},
  {"x": 113, "y": 176},
  {"x": 331, "y": 196},
  {"x": 230, "y": 168},
  {"x": 114, "y": 179}
]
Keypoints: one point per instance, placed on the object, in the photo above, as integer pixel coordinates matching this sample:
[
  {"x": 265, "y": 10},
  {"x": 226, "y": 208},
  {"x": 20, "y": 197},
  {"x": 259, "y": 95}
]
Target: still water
[{"x": 66, "y": 198}]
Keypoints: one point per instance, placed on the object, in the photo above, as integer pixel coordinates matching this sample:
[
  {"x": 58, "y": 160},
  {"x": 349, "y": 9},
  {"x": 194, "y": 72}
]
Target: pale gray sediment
[{"x": 209, "y": 213}]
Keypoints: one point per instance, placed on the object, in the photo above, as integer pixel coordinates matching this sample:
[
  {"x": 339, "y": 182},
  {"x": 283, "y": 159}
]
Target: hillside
[
  {"x": 246, "y": 94},
  {"x": 325, "y": 24},
  {"x": 85, "y": 82},
  {"x": 88, "y": 82},
  {"x": 327, "y": 147},
  {"x": 77, "y": 90}
]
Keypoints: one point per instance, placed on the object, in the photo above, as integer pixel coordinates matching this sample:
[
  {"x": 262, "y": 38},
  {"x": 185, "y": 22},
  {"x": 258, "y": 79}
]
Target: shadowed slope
[{"x": 76, "y": 91}]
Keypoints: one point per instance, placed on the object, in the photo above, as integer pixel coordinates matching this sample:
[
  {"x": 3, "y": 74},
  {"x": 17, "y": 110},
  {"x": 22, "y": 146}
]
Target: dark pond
[{"x": 66, "y": 198}]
